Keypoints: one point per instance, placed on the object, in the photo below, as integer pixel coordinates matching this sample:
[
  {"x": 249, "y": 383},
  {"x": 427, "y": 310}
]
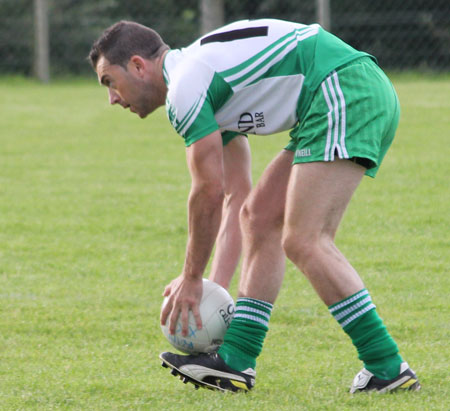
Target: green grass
[{"x": 93, "y": 225}]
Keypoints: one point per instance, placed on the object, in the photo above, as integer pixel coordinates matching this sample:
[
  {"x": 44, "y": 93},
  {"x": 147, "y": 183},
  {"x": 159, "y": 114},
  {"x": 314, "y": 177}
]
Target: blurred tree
[
  {"x": 401, "y": 33},
  {"x": 16, "y": 36}
]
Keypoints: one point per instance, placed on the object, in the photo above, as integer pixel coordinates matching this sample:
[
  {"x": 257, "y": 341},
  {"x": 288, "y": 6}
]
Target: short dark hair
[{"x": 125, "y": 39}]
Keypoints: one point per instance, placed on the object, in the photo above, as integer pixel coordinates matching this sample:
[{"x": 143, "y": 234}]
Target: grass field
[{"x": 93, "y": 226}]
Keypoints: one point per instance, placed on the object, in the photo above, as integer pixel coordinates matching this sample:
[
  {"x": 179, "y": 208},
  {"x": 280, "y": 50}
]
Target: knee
[
  {"x": 300, "y": 248},
  {"x": 241, "y": 189},
  {"x": 255, "y": 218}
]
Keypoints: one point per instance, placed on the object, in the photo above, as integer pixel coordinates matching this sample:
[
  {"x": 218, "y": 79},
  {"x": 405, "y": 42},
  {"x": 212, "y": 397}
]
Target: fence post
[
  {"x": 41, "y": 41},
  {"x": 212, "y": 14},
  {"x": 323, "y": 13}
]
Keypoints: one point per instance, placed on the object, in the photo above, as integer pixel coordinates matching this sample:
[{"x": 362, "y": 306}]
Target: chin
[{"x": 143, "y": 114}]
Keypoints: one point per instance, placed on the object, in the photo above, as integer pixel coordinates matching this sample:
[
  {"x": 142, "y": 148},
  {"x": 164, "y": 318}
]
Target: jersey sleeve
[{"x": 188, "y": 105}]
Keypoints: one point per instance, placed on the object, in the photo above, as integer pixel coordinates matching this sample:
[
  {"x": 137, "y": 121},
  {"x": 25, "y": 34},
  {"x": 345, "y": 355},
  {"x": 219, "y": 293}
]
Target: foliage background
[{"x": 403, "y": 34}]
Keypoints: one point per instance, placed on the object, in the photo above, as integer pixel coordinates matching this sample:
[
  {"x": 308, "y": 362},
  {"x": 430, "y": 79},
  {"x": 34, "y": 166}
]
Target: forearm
[
  {"x": 228, "y": 245},
  {"x": 204, "y": 217}
]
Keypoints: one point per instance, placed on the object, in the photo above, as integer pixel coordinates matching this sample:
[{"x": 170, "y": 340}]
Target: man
[
  {"x": 128, "y": 59},
  {"x": 261, "y": 77}
]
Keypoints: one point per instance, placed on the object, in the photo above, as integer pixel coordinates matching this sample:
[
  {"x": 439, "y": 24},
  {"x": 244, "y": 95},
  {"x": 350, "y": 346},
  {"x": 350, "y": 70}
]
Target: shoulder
[
  {"x": 189, "y": 83},
  {"x": 190, "y": 72}
]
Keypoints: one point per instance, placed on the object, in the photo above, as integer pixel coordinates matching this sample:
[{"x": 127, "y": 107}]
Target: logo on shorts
[{"x": 304, "y": 152}]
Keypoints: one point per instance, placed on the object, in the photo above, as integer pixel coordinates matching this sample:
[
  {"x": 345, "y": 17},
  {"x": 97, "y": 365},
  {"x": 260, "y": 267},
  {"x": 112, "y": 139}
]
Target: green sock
[
  {"x": 376, "y": 348},
  {"x": 244, "y": 339}
]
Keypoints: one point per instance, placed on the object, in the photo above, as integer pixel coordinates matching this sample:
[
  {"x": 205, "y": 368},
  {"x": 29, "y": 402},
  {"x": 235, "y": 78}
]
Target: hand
[{"x": 184, "y": 295}]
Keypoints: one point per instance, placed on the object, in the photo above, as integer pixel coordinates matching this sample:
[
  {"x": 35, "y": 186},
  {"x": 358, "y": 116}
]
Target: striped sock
[
  {"x": 376, "y": 348},
  {"x": 244, "y": 339}
]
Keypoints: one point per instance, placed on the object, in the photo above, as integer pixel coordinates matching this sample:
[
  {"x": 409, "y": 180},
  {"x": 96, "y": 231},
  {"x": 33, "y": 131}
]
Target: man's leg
[
  {"x": 317, "y": 197},
  {"x": 238, "y": 183},
  {"x": 263, "y": 265},
  {"x": 262, "y": 223}
]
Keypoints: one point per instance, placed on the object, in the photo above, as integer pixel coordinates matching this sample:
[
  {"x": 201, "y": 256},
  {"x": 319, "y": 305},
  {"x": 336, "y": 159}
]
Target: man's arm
[{"x": 205, "y": 163}]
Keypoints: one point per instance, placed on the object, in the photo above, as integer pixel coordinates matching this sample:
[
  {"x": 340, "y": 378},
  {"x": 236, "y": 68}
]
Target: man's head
[{"x": 128, "y": 60}]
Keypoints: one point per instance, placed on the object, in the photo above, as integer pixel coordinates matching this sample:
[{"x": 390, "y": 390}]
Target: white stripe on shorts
[
  {"x": 343, "y": 114},
  {"x": 336, "y": 113},
  {"x": 336, "y": 118},
  {"x": 330, "y": 121}
]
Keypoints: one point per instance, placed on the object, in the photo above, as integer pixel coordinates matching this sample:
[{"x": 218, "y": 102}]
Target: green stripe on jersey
[
  {"x": 288, "y": 38},
  {"x": 263, "y": 64},
  {"x": 217, "y": 95},
  {"x": 219, "y": 92},
  {"x": 250, "y": 61},
  {"x": 182, "y": 123},
  {"x": 288, "y": 66}
]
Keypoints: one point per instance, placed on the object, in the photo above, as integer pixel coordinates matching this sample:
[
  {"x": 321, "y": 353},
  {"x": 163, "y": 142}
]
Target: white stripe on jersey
[{"x": 190, "y": 120}]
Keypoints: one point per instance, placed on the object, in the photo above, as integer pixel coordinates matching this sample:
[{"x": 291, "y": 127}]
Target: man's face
[{"x": 137, "y": 87}]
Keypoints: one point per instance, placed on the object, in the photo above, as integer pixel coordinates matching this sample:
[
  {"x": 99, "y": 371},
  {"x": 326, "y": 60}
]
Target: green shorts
[
  {"x": 354, "y": 115},
  {"x": 227, "y": 136}
]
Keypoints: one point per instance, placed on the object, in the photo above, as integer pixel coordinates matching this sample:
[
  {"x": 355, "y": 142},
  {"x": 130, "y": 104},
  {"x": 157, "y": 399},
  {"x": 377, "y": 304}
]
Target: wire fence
[{"x": 402, "y": 34}]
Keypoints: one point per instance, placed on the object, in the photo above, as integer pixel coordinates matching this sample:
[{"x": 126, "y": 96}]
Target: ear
[{"x": 137, "y": 65}]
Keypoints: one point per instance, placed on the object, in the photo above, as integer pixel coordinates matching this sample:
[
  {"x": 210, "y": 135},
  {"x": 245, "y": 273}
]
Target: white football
[{"x": 216, "y": 311}]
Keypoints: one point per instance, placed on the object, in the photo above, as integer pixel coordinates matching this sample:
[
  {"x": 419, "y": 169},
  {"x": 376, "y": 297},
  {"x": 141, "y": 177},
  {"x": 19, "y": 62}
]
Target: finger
[
  {"x": 197, "y": 317},
  {"x": 184, "y": 321},
  {"x": 167, "y": 291},
  {"x": 173, "y": 320},
  {"x": 165, "y": 312}
]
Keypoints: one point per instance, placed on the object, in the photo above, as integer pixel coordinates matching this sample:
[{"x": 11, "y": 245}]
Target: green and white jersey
[{"x": 251, "y": 76}]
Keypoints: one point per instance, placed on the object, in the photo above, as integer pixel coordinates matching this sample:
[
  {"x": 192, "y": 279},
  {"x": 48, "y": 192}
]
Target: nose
[{"x": 114, "y": 98}]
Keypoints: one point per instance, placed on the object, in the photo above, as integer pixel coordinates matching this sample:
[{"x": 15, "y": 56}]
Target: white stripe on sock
[
  {"x": 252, "y": 318},
  {"x": 354, "y": 307},
  {"x": 247, "y": 309},
  {"x": 266, "y": 305},
  {"x": 357, "y": 315},
  {"x": 349, "y": 300}
]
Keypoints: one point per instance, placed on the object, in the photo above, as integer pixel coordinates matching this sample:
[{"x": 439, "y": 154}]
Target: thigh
[
  {"x": 318, "y": 194},
  {"x": 237, "y": 165},
  {"x": 269, "y": 196}
]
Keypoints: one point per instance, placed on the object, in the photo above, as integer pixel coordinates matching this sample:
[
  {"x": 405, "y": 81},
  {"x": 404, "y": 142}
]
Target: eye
[{"x": 105, "y": 81}]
